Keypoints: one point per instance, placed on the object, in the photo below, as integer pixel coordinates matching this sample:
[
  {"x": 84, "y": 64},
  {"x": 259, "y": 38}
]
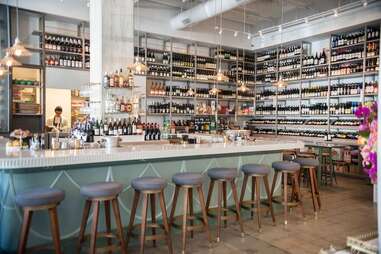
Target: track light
[
  {"x": 365, "y": 3},
  {"x": 235, "y": 33},
  {"x": 280, "y": 28},
  {"x": 260, "y": 33},
  {"x": 249, "y": 36},
  {"x": 336, "y": 13}
]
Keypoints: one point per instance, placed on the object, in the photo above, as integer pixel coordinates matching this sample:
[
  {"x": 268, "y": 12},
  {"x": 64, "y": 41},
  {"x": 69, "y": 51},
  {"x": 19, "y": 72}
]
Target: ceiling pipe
[{"x": 204, "y": 11}]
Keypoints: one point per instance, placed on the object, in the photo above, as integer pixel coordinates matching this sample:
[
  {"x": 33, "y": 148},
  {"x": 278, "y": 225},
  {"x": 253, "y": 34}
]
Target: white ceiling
[{"x": 260, "y": 14}]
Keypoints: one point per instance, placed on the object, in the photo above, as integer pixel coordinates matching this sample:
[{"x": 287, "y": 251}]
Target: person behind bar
[{"x": 57, "y": 122}]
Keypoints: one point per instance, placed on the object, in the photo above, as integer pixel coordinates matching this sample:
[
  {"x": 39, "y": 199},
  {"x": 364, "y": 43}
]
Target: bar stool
[
  {"x": 189, "y": 181},
  {"x": 95, "y": 193},
  {"x": 328, "y": 174},
  {"x": 36, "y": 200},
  {"x": 256, "y": 172},
  {"x": 288, "y": 169},
  {"x": 310, "y": 165},
  {"x": 222, "y": 176},
  {"x": 149, "y": 187}
]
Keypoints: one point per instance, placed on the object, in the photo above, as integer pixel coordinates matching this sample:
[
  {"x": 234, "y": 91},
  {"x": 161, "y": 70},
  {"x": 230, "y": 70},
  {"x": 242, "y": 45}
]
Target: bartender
[{"x": 57, "y": 122}]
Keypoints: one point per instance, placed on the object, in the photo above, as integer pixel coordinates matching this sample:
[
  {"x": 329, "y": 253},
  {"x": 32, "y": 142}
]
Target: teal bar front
[{"x": 71, "y": 178}]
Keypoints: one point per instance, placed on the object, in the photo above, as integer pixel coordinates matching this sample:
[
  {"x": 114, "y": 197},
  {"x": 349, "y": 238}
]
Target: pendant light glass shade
[
  {"x": 18, "y": 49},
  {"x": 190, "y": 92},
  {"x": 9, "y": 61},
  {"x": 221, "y": 76},
  {"x": 243, "y": 87},
  {"x": 139, "y": 67},
  {"x": 281, "y": 83},
  {"x": 214, "y": 90}
]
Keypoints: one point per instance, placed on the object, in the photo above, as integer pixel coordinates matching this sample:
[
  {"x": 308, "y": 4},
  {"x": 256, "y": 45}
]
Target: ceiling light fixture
[
  {"x": 18, "y": 49},
  {"x": 139, "y": 67},
  {"x": 365, "y": 3},
  {"x": 9, "y": 60}
]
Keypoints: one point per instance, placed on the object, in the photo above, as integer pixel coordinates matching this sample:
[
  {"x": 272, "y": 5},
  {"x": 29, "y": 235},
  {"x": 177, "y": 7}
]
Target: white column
[{"x": 111, "y": 36}]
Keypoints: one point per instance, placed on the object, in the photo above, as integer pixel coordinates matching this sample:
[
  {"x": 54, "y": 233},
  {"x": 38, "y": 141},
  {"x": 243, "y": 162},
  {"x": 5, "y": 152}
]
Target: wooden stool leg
[
  {"x": 258, "y": 201},
  {"x": 119, "y": 227},
  {"x": 108, "y": 222},
  {"x": 94, "y": 227},
  {"x": 143, "y": 223},
  {"x": 132, "y": 216},
  {"x": 25, "y": 230},
  {"x": 219, "y": 200},
  {"x": 317, "y": 189},
  {"x": 274, "y": 182},
  {"x": 185, "y": 218},
  {"x": 165, "y": 222},
  {"x": 269, "y": 197},
  {"x": 285, "y": 198},
  {"x": 55, "y": 229},
  {"x": 297, "y": 187},
  {"x": 153, "y": 216},
  {"x": 225, "y": 203},
  {"x": 312, "y": 185},
  {"x": 204, "y": 214},
  {"x": 191, "y": 213},
  {"x": 210, "y": 192},
  {"x": 174, "y": 203},
  {"x": 235, "y": 196},
  {"x": 252, "y": 196},
  {"x": 243, "y": 189},
  {"x": 82, "y": 230}
]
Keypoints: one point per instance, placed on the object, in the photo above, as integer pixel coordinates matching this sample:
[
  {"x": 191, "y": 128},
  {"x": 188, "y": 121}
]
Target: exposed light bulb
[
  {"x": 249, "y": 36},
  {"x": 235, "y": 33},
  {"x": 9, "y": 61},
  {"x": 220, "y": 32},
  {"x": 280, "y": 28},
  {"x": 260, "y": 33},
  {"x": 365, "y": 3},
  {"x": 336, "y": 13}
]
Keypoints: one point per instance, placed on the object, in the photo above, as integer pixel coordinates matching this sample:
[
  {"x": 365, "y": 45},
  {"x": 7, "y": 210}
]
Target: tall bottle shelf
[{"x": 331, "y": 94}]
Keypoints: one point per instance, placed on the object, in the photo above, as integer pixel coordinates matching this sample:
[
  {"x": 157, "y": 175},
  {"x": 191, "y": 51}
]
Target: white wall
[
  {"x": 75, "y": 9},
  {"x": 65, "y": 78}
]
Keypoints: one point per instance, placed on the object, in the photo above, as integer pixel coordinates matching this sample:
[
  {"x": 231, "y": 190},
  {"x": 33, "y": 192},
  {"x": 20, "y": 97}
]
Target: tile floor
[{"x": 347, "y": 209}]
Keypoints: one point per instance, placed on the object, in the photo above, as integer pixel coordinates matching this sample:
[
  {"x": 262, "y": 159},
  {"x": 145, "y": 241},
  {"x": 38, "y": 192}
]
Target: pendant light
[
  {"x": 9, "y": 60},
  {"x": 241, "y": 83},
  {"x": 281, "y": 83},
  {"x": 18, "y": 49},
  {"x": 220, "y": 76},
  {"x": 138, "y": 66}
]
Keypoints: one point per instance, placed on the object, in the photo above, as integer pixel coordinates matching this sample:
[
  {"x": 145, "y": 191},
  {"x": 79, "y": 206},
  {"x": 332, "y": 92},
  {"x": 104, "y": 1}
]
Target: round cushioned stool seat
[
  {"x": 101, "y": 189},
  {"x": 286, "y": 166},
  {"x": 40, "y": 197},
  {"x": 307, "y": 162},
  {"x": 255, "y": 169},
  {"x": 222, "y": 173},
  {"x": 187, "y": 178},
  {"x": 148, "y": 183}
]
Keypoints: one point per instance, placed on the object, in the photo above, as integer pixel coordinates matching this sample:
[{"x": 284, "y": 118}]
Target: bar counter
[{"x": 70, "y": 169}]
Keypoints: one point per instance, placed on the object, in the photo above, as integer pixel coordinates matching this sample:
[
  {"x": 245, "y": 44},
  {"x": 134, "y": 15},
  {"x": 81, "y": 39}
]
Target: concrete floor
[{"x": 347, "y": 209}]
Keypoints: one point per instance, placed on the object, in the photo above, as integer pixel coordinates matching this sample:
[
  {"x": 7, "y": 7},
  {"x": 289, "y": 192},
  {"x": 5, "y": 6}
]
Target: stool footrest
[
  {"x": 155, "y": 237},
  {"x": 195, "y": 227}
]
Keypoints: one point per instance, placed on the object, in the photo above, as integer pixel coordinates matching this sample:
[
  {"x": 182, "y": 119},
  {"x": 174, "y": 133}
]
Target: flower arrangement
[{"x": 368, "y": 138}]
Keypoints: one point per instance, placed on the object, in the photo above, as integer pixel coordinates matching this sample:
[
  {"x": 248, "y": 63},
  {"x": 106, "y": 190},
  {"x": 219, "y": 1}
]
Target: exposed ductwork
[{"x": 204, "y": 11}]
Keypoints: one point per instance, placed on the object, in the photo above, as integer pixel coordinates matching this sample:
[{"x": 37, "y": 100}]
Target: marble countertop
[{"x": 48, "y": 158}]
